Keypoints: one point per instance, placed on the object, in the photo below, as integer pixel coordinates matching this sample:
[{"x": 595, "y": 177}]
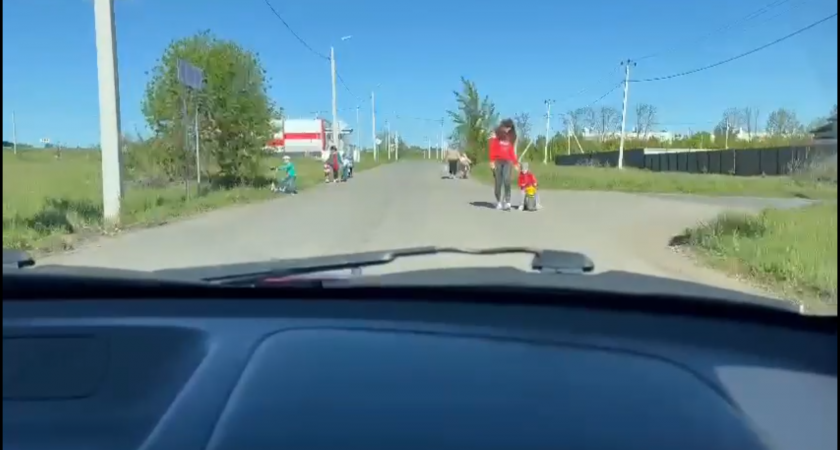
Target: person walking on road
[
  {"x": 503, "y": 161},
  {"x": 452, "y": 158}
]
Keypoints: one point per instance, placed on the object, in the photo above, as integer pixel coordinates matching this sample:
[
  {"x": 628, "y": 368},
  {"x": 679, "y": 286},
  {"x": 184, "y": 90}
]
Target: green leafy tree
[
  {"x": 234, "y": 109},
  {"x": 474, "y": 120}
]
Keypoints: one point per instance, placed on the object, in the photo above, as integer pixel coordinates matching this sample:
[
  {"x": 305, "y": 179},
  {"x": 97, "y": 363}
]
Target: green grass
[
  {"x": 634, "y": 180},
  {"x": 51, "y": 204},
  {"x": 791, "y": 251}
]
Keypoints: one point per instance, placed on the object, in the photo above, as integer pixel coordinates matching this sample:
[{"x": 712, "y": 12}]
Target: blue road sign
[{"x": 189, "y": 75}]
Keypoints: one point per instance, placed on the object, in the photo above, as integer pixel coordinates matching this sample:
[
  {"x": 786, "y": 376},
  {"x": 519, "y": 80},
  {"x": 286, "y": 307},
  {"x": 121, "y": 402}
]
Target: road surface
[{"x": 409, "y": 204}]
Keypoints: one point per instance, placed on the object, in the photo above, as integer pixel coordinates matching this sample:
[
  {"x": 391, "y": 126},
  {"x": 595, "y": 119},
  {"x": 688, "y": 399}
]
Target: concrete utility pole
[
  {"x": 335, "y": 129},
  {"x": 388, "y": 124},
  {"x": 373, "y": 125},
  {"x": 626, "y": 65},
  {"x": 568, "y": 135},
  {"x": 547, "y": 129},
  {"x": 440, "y": 150},
  {"x": 109, "y": 110},
  {"x": 429, "y": 149},
  {"x": 397, "y": 146},
  {"x": 357, "y": 151}
]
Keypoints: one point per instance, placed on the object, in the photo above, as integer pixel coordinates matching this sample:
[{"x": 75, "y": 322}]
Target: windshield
[{"x": 691, "y": 141}]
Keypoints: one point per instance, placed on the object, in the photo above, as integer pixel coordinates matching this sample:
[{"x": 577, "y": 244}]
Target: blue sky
[{"x": 519, "y": 53}]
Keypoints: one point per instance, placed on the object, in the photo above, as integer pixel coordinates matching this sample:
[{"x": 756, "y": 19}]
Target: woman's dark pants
[{"x": 502, "y": 175}]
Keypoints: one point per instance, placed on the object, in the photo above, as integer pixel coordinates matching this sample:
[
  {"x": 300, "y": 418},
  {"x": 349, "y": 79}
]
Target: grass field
[
  {"x": 633, "y": 180},
  {"x": 792, "y": 251},
  {"x": 50, "y": 204}
]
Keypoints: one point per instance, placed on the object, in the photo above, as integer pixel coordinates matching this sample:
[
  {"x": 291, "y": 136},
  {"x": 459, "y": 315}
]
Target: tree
[
  {"x": 730, "y": 123},
  {"x": 234, "y": 109},
  {"x": 580, "y": 119},
  {"x": 750, "y": 118},
  {"x": 585, "y": 118},
  {"x": 783, "y": 122},
  {"x": 645, "y": 119},
  {"x": 523, "y": 129},
  {"x": 609, "y": 120},
  {"x": 474, "y": 119}
]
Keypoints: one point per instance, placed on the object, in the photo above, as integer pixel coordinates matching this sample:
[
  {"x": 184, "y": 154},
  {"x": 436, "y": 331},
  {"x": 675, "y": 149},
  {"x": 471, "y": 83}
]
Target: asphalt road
[{"x": 409, "y": 204}]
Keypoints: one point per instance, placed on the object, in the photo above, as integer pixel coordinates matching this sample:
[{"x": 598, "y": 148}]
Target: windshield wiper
[{"x": 545, "y": 261}]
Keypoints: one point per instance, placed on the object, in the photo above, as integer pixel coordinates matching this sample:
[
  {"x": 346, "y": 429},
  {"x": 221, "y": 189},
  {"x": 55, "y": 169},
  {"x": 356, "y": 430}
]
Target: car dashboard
[{"x": 237, "y": 372}]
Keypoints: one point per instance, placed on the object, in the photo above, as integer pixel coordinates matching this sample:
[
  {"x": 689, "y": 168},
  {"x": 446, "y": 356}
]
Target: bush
[{"x": 793, "y": 250}]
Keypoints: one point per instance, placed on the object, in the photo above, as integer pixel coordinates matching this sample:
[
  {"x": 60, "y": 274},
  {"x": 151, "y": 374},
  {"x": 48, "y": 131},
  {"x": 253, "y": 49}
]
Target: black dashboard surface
[{"x": 248, "y": 374}]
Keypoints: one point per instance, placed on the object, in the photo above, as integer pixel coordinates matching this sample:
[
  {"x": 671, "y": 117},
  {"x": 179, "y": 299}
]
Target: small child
[
  {"x": 527, "y": 178},
  {"x": 347, "y": 169},
  {"x": 465, "y": 164},
  {"x": 334, "y": 161},
  {"x": 288, "y": 184}
]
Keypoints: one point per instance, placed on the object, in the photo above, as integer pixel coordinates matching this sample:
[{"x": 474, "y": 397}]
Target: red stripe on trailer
[{"x": 302, "y": 136}]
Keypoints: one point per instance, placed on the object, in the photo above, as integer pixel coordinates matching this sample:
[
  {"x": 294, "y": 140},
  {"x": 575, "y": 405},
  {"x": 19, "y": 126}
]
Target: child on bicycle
[
  {"x": 527, "y": 179},
  {"x": 289, "y": 183}
]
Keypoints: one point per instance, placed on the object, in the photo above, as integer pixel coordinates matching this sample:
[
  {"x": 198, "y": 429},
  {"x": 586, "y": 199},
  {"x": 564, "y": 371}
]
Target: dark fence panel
[{"x": 744, "y": 162}]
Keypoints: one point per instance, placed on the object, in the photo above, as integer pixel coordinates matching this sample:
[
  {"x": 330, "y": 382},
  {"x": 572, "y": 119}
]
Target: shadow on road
[{"x": 487, "y": 205}]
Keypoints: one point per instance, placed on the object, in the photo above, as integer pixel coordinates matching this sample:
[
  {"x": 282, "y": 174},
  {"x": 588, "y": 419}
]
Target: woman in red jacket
[{"x": 503, "y": 161}]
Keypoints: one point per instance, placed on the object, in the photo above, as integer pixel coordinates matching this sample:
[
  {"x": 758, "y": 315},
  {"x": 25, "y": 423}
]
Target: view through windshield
[{"x": 693, "y": 141}]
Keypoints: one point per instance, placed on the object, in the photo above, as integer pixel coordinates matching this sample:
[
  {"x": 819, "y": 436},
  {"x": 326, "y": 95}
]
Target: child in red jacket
[{"x": 526, "y": 179}]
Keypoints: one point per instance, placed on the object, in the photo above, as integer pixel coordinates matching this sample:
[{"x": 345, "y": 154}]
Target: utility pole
[
  {"x": 440, "y": 150},
  {"x": 334, "y": 99},
  {"x": 14, "y": 132},
  {"x": 388, "y": 124},
  {"x": 626, "y": 65},
  {"x": 547, "y": 129},
  {"x": 197, "y": 154},
  {"x": 373, "y": 125},
  {"x": 109, "y": 110},
  {"x": 568, "y": 135},
  {"x": 396, "y": 146},
  {"x": 357, "y": 152},
  {"x": 429, "y": 149}
]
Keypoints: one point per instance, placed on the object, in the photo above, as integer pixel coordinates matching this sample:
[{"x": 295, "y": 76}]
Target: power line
[
  {"x": 612, "y": 89},
  {"x": 288, "y": 27},
  {"x": 723, "y": 28},
  {"x": 347, "y": 88},
  {"x": 586, "y": 89},
  {"x": 742, "y": 55},
  {"x": 310, "y": 48}
]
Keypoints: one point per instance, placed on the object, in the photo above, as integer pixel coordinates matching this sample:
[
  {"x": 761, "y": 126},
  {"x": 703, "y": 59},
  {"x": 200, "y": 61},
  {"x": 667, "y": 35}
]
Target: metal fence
[{"x": 740, "y": 162}]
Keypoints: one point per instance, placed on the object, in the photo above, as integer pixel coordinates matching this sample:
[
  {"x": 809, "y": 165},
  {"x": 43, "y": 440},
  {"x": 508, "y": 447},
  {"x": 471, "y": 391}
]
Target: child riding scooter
[{"x": 528, "y": 187}]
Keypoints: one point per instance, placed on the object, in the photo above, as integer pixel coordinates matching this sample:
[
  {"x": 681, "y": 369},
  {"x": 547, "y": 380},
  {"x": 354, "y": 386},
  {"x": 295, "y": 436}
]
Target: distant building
[{"x": 826, "y": 133}]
